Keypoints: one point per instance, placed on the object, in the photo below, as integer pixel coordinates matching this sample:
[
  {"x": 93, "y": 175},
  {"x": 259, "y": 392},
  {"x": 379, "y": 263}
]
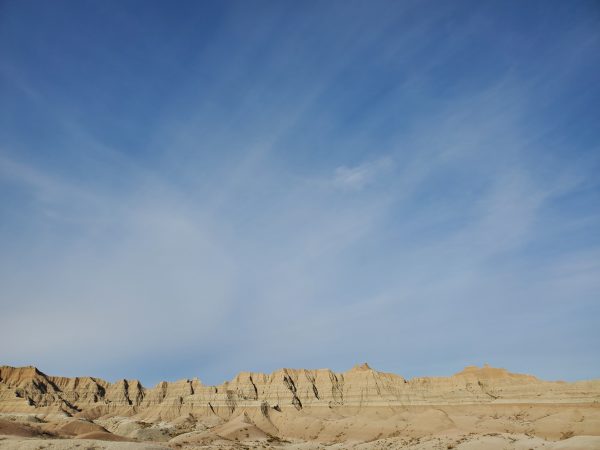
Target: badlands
[{"x": 478, "y": 408}]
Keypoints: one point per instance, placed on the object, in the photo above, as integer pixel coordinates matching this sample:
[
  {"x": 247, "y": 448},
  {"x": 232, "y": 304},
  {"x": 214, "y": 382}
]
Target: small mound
[
  {"x": 102, "y": 436},
  {"x": 240, "y": 428},
  {"x": 18, "y": 429},
  {"x": 78, "y": 427}
]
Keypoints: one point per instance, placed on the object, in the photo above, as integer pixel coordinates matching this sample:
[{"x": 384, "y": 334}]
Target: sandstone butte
[{"x": 290, "y": 408}]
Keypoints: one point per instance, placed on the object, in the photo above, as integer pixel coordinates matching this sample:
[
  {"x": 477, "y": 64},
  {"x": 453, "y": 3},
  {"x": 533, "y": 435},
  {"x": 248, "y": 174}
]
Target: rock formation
[{"x": 306, "y": 405}]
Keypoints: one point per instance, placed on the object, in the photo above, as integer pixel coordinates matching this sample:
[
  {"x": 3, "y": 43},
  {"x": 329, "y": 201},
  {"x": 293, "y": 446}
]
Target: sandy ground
[
  {"x": 442, "y": 442},
  {"x": 565, "y": 427}
]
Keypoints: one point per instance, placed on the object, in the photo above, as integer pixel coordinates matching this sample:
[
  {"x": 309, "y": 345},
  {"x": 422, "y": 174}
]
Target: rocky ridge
[
  {"x": 26, "y": 390},
  {"x": 479, "y": 407}
]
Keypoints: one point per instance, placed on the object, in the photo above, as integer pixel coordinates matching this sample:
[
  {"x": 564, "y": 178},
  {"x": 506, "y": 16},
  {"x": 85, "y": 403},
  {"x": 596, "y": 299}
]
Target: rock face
[
  {"x": 289, "y": 407},
  {"x": 26, "y": 390}
]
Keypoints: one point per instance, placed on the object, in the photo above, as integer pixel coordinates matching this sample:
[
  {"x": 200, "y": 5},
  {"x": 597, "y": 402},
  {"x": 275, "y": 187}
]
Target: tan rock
[{"x": 295, "y": 407}]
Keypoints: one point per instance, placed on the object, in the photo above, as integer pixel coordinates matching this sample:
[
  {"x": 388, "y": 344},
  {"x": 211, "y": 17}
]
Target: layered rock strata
[{"x": 28, "y": 390}]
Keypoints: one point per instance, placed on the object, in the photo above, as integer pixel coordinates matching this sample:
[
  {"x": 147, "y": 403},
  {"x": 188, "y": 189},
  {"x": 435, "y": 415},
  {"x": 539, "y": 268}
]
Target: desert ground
[{"x": 478, "y": 408}]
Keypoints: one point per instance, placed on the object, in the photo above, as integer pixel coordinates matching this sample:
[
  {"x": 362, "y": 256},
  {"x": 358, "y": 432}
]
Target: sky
[{"x": 197, "y": 188}]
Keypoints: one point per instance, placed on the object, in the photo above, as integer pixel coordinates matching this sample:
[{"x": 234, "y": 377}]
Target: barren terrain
[{"x": 478, "y": 408}]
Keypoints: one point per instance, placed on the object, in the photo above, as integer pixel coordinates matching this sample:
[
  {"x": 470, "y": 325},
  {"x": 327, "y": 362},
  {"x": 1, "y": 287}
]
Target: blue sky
[{"x": 199, "y": 188}]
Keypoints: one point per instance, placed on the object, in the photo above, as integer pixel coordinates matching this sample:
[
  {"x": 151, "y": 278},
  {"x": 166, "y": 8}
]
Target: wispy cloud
[
  {"x": 299, "y": 195},
  {"x": 358, "y": 177}
]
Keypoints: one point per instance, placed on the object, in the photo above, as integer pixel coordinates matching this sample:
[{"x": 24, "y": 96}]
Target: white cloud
[{"x": 358, "y": 177}]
